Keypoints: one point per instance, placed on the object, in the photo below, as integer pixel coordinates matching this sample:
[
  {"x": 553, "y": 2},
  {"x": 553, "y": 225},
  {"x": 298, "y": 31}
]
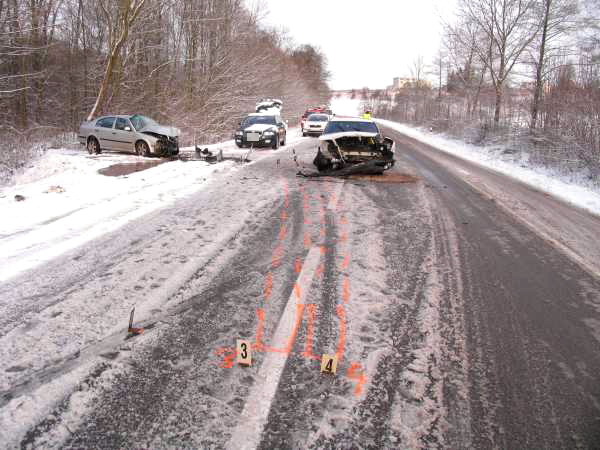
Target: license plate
[
  {"x": 315, "y": 126},
  {"x": 253, "y": 137}
]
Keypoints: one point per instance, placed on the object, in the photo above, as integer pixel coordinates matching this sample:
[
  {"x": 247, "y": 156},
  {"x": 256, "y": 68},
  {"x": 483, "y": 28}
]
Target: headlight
[
  {"x": 239, "y": 133},
  {"x": 268, "y": 133}
]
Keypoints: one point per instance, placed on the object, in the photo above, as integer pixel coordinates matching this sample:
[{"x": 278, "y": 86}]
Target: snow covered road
[{"x": 456, "y": 322}]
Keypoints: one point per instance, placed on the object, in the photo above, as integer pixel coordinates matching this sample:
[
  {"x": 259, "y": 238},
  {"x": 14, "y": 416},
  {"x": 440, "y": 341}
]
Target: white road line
[
  {"x": 247, "y": 434},
  {"x": 335, "y": 196}
]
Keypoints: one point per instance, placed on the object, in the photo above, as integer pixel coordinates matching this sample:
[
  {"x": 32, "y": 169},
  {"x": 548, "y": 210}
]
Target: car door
[
  {"x": 123, "y": 135},
  {"x": 104, "y": 130}
]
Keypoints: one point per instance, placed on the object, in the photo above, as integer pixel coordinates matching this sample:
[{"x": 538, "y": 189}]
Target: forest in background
[
  {"x": 199, "y": 65},
  {"x": 522, "y": 74}
]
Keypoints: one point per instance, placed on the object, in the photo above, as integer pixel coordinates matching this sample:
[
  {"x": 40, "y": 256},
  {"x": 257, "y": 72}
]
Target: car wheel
[
  {"x": 93, "y": 146},
  {"x": 141, "y": 148},
  {"x": 322, "y": 162},
  {"x": 276, "y": 143},
  {"x": 284, "y": 138}
]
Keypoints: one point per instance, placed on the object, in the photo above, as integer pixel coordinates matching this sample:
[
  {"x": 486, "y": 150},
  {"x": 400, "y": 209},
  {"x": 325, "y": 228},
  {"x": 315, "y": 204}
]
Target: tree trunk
[{"x": 539, "y": 82}]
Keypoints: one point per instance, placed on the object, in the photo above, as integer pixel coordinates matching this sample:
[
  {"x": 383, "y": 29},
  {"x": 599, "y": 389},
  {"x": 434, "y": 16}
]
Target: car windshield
[
  {"x": 318, "y": 118},
  {"x": 341, "y": 127},
  {"x": 252, "y": 120},
  {"x": 138, "y": 121}
]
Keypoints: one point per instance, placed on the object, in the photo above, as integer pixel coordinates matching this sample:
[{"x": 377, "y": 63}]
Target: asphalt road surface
[{"x": 463, "y": 309}]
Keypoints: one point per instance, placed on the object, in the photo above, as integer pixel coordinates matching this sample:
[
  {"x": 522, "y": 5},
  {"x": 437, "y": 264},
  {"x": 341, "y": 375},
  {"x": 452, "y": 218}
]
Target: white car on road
[{"x": 315, "y": 124}]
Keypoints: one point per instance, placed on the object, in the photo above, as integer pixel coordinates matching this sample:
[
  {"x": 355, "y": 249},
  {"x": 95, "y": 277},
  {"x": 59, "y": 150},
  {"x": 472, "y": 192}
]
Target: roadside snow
[
  {"x": 577, "y": 191},
  {"x": 51, "y": 221}
]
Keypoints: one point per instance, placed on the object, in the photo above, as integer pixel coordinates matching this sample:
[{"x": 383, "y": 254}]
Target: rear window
[
  {"x": 106, "y": 122},
  {"x": 343, "y": 126}
]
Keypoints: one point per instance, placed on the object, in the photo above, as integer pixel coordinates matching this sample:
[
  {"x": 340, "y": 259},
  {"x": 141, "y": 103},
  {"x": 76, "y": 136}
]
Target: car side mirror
[{"x": 127, "y": 128}]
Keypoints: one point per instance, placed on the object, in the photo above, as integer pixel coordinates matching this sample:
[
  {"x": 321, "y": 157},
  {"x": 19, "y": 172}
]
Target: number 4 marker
[
  {"x": 243, "y": 352},
  {"x": 329, "y": 364}
]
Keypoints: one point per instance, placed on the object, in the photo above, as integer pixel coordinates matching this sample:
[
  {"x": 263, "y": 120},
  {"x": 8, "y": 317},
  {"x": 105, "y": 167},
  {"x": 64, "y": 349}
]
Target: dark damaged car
[
  {"x": 136, "y": 133},
  {"x": 354, "y": 146}
]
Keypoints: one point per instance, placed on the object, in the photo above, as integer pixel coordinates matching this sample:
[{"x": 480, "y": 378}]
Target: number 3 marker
[
  {"x": 243, "y": 352},
  {"x": 329, "y": 364}
]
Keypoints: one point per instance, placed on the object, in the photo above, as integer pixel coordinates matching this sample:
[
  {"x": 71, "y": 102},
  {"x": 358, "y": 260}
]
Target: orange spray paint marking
[
  {"x": 322, "y": 232},
  {"x": 343, "y": 237},
  {"x": 283, "y": 215},
  {"x": 277, "y": 256},
  {"x": 268, "y": 286},
  {"x": 229, "y": 355},
  {"x": 345, "y": 262},
  {"x": 292, "y": 338},
  {"x": 346, "y": 290},
  {"x": 282, "y": 232},
  {"x": 306, "y": 221},
  {"x": 298, "y": 265},
  {"x": 356, "y": 373},
  {"x": 297, "y": 291},
  {"x": 258, "y": 345},
  {"x": 307, "y": 353},
  {"x": 343, "y": 220},
  {"x": 342, "y": 337}
]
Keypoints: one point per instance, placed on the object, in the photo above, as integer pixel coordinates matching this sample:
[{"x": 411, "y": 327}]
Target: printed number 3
[{"x": 244, "y": 351}]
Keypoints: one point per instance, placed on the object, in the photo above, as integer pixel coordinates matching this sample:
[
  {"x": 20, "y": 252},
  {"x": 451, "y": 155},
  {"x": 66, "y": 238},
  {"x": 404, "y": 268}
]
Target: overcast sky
[{"x": 367, "y": 42}]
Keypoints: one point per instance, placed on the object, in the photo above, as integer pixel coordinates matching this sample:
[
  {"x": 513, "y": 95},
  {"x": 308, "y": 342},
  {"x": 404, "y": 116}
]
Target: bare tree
[
  {"x": 118, "y": 24},
  {"x": 557, "y": 19},
  {"x": 510, "y": 26}
]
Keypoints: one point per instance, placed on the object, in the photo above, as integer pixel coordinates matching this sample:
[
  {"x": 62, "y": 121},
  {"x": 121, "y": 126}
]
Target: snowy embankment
[
  {"x": 67, "y": 202},
  {"x": 577, "y": 191}
]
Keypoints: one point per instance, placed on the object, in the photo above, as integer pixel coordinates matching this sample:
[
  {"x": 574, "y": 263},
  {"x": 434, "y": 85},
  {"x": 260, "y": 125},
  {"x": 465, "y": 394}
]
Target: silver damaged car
[{"x": 136, "y": 133}]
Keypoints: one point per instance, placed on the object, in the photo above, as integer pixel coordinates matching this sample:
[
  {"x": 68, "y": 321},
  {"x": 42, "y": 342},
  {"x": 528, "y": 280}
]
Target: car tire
[
  {"x": 141, "y": 148},
  {"x": 284, "y": 139},
  {"x": 303, "y": 134},
  {"x": 322, "y": 162},
  {"x": 93, "y": 146},
  {"x": 276, "y": 143}
]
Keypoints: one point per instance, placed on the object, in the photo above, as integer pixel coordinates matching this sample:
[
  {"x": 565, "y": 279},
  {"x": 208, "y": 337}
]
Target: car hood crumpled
[
  {"x": 260, "y": 127},
  {"x": 161, "y": 129},
  {"x": 341, "y": 134}
]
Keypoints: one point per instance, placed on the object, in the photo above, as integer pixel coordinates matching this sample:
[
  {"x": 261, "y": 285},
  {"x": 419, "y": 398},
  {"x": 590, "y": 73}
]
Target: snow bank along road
[{"x": 463, "y": 308}]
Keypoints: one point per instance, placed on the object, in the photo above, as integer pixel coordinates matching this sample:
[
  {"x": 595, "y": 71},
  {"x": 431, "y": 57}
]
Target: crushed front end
[{"x": 354, "y": 152}]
